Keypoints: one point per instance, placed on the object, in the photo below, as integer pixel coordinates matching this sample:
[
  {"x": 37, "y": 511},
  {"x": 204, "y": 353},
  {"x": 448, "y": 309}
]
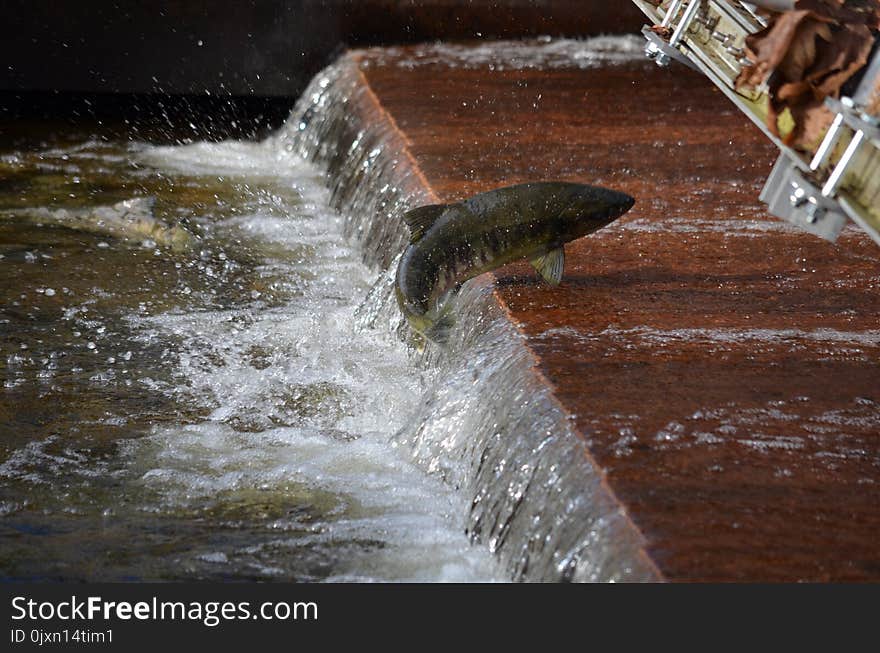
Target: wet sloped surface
[{"x": 721, "y": 365}]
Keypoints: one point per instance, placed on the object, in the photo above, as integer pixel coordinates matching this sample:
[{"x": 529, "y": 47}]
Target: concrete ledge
[
  {"x": 495, "y": 431},
  {"x": 721, "y": 368}
]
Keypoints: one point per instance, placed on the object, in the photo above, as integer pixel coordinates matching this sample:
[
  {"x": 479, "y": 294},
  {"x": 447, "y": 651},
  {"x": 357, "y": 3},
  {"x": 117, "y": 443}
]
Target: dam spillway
[
  {"x": 712, "y": 369},
  {"x": 696, "y": 401}
]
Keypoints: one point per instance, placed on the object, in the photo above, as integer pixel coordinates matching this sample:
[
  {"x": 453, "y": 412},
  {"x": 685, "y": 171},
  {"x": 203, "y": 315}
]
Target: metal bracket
[
  {"x": 840, "y": 180},
  {"x": 660, "y": 52},
  {"x": 790, "y": 195}
]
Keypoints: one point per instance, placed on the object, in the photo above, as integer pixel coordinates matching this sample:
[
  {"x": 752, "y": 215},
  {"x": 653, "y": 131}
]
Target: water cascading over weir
[{"x": 488, "y": 422}]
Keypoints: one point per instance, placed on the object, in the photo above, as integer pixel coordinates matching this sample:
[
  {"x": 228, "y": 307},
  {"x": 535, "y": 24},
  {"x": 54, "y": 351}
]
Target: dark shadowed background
[{"x": 266, "y": 47}]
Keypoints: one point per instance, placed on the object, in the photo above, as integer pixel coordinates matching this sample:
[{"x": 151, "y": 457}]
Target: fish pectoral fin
[
  {"x": 419, "y": 220},
  {"x": 550, "y": 265}
]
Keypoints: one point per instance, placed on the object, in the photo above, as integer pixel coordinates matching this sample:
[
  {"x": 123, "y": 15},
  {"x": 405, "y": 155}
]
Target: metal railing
[{"x": 817, "y": 190}]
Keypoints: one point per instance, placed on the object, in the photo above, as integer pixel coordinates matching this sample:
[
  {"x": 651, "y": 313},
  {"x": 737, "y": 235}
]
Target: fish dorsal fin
[
  {"x": 419, "y": 220},
  {"x": 550, "y": 265}
]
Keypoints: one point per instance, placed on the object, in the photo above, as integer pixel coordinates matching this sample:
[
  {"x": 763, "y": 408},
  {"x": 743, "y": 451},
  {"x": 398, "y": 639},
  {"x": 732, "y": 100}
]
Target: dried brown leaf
[
  {"x": 811, "y": 119},
  {"x": 768, "y": 47},
  {"x": 801, "y": 53},
  {"x": 808, "y": 54},
  {"x": 837, "y": 62},
  {"x": 663, "y": 32}
]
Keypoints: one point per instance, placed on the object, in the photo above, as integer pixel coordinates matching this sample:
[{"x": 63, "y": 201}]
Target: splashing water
[
  {"x": 210, "y": 414},
  {"x": 486, "y": 423},
  {"x": 246, "y": 409}
]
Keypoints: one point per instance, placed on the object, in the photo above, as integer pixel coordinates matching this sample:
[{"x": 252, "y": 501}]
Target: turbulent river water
[
  {"x": 208, "y": 413},
  {"x": 246, "y": 405}
]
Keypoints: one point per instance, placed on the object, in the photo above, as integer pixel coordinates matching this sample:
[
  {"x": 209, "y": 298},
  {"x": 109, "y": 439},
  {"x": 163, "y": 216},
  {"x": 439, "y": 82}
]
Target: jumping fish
[
  {"x": 130, "y": 219},
  {"x": 451, "y": 243}
]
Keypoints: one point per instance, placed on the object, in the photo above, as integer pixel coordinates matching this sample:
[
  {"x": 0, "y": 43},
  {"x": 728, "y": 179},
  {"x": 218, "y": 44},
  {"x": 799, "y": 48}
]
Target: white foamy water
[
  {"x": 218, "y": 413},
  {"x": 835, "y": 341},
  {"x": 299, "y": 397},
  {"x": 541, "y": 53}
]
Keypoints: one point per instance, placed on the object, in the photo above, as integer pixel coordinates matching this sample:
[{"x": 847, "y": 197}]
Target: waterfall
[{"x": 488, "y": 422}]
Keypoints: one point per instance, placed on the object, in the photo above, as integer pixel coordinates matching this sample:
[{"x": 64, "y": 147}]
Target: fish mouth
[
  {"x": 612, "y": 204},
  {"x": 596, "y": 208},
  {"x": 619, "y": 202}
]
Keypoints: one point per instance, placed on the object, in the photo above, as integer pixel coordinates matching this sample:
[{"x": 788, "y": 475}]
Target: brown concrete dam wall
[{"x": 715, "y": 370}]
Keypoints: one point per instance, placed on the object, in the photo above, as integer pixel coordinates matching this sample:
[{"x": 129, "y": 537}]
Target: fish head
[{"x": 589, "y": 208}]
